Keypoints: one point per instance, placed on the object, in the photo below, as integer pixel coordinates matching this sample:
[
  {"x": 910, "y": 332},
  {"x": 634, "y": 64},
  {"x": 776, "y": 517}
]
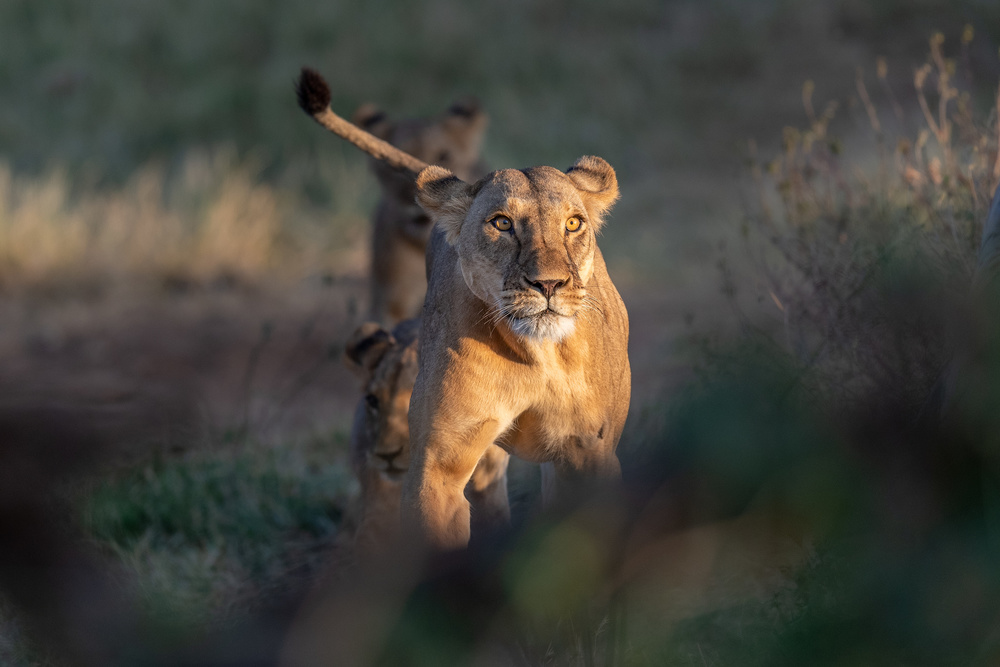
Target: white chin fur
[{"x": 544, "y": 327}]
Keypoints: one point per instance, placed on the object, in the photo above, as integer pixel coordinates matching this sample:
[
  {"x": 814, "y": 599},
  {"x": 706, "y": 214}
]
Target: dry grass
[
  {"x": 214, "y": 218},
  {"x": 661, "y": 91},
  {"x": 852, "y": 257}
]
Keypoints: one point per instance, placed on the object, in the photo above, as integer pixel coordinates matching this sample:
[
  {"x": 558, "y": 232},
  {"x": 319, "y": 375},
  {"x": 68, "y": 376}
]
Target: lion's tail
[{"x": 314, "y": 98}]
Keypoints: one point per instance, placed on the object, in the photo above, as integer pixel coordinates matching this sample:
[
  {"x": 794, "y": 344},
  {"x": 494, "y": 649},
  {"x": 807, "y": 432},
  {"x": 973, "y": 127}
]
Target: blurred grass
[
  {"x": 122, "y": 82},
  {"x": 211, "y": 219},
  {"x": 99, "y": 93},
  {"x": 209, "y": 538}
]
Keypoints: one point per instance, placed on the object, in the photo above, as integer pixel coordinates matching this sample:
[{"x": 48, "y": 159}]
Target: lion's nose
[{"x": 547, "y": 287}]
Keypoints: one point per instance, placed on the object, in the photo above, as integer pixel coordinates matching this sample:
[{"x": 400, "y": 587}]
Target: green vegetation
[{"x": 207, "y": 537}]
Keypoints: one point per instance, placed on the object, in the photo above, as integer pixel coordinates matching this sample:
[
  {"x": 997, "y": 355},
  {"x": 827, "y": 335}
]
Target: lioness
[
  {"x": 400, "y": 228},
  {"x": 380, "y": 436},
  {"x": 524, "y": 337}
]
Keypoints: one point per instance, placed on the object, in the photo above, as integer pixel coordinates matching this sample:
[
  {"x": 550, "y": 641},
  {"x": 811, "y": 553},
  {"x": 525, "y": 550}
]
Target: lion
[
  {"x": 400, "y": 228},
  {"x": 524, "y": 337},
  {"x": 380, "y": 440}
]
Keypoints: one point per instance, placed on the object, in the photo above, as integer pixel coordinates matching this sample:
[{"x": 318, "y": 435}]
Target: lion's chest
[
  {"x": 540, "y": 399},
  {"x": 558, "y": 391},
  {"x": 553, "y": 382}
]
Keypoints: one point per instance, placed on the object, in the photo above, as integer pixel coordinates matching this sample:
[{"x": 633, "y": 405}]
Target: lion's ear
[
  {"x": 467, "y": 121},
  {"x": 372, "y": 119},
  {"x": 445, "y": 198},
  {"x": 597, "y": 183},
  {"x": 466, "y": 106},
  {"x": 366, "y": 347}
]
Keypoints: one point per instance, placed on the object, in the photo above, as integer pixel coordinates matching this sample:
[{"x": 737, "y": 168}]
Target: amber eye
[
  {"x": 502, "y": 223},
  {"x": 573, "y": 224}
]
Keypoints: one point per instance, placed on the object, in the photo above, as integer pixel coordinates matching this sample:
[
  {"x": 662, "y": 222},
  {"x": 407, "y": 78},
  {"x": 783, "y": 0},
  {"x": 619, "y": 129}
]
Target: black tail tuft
[{"x": 312, "y": 91}]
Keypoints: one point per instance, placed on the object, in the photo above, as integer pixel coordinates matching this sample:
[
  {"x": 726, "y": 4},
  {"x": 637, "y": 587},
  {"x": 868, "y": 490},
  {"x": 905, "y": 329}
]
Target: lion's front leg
[
  {"x": 487, "y": 490},
  {"x": 441, "y": 464}
]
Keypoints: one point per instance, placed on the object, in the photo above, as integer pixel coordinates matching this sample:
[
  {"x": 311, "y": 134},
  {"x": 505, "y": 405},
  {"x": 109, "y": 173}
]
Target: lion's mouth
[
  {"x": 547, "y": 324},
  {"x": 532, "y": 316}
]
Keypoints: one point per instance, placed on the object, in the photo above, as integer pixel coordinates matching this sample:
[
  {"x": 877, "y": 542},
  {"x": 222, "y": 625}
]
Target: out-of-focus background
[{"x": 183, "y": 254}]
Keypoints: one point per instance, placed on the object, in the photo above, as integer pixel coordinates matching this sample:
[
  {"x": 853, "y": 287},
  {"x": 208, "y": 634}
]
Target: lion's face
[
  {"x": 527, "y": 247},
  {"x": 388, "y": 365},
  {"x": 525, "y": 239}
]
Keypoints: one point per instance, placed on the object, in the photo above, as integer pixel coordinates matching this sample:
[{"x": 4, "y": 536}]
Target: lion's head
[
  {"x": 452, "y": 140},
  {"x": 387, "y": 363},
  {"x": 525, "y": 238}
]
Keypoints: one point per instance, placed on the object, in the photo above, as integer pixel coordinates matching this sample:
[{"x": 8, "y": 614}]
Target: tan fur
[
  {"x": 377, "y": 148},
  {"x": 387, "y": 363},
  {"x": 400, "y": 228},
  {"x": 546, "y": 378}
]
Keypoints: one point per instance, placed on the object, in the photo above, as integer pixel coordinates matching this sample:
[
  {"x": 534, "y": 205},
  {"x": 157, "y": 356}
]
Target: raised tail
[{"x": 314, "y": 98}]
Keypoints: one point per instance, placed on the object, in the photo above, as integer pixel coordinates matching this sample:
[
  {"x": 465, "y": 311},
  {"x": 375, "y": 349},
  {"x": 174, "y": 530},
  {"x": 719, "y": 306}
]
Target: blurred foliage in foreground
[{"x": 763, "y": 524}]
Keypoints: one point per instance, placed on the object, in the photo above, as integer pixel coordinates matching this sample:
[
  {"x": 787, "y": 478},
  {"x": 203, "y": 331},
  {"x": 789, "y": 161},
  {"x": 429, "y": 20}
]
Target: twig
[
  {"x": 867, "y": 101},
  {"x": 882, "y": 70}
]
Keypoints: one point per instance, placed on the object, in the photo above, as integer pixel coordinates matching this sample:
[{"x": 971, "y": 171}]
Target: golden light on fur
[
  {"x": 524, "y": 339},
  {"x": 380, "y": 439}
]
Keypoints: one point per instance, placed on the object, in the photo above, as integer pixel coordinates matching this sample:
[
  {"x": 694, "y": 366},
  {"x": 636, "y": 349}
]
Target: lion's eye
[
  {"x": 372, "y": 401},
  {"x": 573, "y": 224},
  {"x": 502, "y": 223}
]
